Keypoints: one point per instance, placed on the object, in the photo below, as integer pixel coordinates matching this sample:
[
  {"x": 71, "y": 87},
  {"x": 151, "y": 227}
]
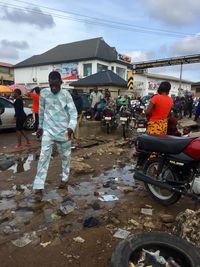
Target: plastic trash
[
  {"x": 67, "y": 207},
  {"x": 45, "y": 244},
  {"x": 121, "y": 233},
  {"x": 79, "y": 239},
  {"x": 26, "y": 239},
  {"x": 91, "y": 222},
  {"x": 148, "y": 212},
  {"x": 108, "y": 198}
]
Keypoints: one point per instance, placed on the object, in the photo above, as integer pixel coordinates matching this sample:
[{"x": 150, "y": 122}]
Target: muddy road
[{"x": 74, "y": 227}]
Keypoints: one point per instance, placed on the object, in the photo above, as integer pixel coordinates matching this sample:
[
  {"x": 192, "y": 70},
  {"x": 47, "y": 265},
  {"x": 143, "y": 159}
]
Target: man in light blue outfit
[{"x": 57, "y": 122}]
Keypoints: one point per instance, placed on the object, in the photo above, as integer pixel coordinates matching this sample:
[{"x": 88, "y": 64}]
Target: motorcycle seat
[{"x": 163, "y": 144}]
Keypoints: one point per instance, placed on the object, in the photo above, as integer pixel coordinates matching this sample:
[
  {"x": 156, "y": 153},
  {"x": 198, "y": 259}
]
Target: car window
[{"x": 6, "y": 103}]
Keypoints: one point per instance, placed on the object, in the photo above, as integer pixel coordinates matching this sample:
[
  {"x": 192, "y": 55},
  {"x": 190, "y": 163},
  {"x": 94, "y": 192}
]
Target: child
[{"x": 20, "y": 118}]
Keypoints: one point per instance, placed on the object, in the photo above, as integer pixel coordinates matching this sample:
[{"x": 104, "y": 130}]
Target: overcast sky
[{"x": 144, "y": 29}]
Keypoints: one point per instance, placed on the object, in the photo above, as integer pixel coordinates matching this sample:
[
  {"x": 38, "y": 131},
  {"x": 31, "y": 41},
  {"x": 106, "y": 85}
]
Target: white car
[{"x": 8, "y": 115}]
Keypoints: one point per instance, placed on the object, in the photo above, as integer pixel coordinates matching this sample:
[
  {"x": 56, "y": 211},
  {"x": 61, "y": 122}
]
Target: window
[
  {"x": 120, "y": 72},
  {"x": 6, "y": 103},
  {"x": 4, "y": 70},
  {"x": 101, "y": 67},
  {"x": 112, "y": 68},
  {"x": 87, "y": 69}
]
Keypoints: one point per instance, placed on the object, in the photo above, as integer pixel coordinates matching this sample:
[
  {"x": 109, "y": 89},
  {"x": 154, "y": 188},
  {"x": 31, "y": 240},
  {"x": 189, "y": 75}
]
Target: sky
[{"x": 142, "y": 29}]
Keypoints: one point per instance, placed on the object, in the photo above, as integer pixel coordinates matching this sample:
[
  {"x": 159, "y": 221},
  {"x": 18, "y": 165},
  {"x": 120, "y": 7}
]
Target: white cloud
[
  {"x": 33, "y": 16},
  {"x": 138, "y": 55},
  {"x": 173, "y": 12},
  {"x": 10, "y": 49},
  {"x": 186, "y": 46}
]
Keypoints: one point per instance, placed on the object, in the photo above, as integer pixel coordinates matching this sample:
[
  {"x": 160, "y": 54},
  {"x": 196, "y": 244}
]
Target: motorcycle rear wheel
[{"x": 163, "y": 196}]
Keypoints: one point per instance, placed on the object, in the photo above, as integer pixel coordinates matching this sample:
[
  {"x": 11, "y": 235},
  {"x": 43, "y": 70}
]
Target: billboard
[
  {"x": 68, "y": 71},
  {"x": 124, "y": 58}
]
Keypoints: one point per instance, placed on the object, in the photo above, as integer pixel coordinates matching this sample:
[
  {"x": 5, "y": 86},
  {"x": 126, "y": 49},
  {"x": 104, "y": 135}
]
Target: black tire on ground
[
  {"x": 165, "y": 202},
  {"x": 29, "y": 123},
  {"x": 188, "y": 255}
]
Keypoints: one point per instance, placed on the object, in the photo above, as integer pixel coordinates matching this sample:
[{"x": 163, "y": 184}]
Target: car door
[{"x": 8, "y": 114}]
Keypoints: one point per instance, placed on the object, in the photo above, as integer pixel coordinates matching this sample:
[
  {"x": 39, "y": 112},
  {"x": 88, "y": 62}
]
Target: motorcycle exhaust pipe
[{"x": 147, "y": 179}]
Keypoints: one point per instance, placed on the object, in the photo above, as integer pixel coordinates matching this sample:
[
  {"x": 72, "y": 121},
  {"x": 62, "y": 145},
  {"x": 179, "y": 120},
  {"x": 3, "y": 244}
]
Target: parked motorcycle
[
  {"x": 125, "y": 119},
  {"x": 169, "y": 167},
  {"x": 109, "y": 120}
]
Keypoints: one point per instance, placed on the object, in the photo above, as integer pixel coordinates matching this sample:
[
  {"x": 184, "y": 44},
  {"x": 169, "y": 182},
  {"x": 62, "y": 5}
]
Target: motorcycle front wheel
[{"x": 163, "y": 196}]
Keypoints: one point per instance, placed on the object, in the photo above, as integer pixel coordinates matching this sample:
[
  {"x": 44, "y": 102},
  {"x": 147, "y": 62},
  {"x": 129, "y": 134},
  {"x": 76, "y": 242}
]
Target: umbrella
[
  {"x": 23, "y": 89},
  {"x": 4, "y": 89}
]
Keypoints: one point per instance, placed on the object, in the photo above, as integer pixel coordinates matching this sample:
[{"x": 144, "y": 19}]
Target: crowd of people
[{"x": 56, "y": 112}]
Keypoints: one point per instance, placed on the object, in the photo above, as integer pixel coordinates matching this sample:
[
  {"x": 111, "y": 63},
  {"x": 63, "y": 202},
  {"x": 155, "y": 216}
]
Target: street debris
[
  {"x": 154, "y": 259},
  {"x": 45, "y": 244},
  {"x": 148, "y": 212},
  {"x": 121, "y": 233},
  {"x": 187, "y": 226},
  {"x": 79, "y": 239},
  {"x": 91, "y": 222},
  {"x": 67, "y": 207},
  {"x": 108, "y": 198},
  {"x": 26, "y": 239}
]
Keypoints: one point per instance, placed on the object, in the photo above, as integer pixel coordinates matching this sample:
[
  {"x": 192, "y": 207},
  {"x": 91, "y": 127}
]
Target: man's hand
[
  {"x": 39, "y": 133},
  {"x": 69, "y": 133}
]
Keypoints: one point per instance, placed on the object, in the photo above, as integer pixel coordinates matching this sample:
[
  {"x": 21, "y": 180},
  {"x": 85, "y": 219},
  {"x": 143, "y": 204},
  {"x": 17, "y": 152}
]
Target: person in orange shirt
[
  {"x": 35, "y": 107},
  {"x": 158, "y": 110}
]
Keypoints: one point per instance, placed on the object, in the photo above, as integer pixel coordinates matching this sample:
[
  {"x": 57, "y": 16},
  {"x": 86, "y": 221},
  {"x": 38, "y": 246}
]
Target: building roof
[
  {"x": 3, "y": 64},
  {"x": 95, "y": 48},
  {"x": 196, "y": 84},
  {"x": 165, "y": 77},
  {"x": 102, "y": 78}
]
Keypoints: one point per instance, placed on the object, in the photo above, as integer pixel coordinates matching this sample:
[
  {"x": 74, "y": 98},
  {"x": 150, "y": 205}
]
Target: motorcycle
[
  {"x": 169, "y": 167},
  {"x": 109, "y": 120},
  {"x": 125, "y": 119},
  {"x": 87, "y": 114}
]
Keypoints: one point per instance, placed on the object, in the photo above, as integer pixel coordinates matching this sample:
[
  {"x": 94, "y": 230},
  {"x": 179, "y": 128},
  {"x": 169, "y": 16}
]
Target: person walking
[
  {"x": 20, "y": 118},
  {"x": 57, "y": 122},
  {"x": 158, "y": 110},
  {"x": 35, "y": 107}
]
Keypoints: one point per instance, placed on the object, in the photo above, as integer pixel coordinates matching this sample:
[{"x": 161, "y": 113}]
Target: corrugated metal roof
[{"x": 3, "y": 64}]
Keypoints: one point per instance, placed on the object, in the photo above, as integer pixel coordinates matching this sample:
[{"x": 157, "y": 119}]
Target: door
[{"x": 8, "y": 114}]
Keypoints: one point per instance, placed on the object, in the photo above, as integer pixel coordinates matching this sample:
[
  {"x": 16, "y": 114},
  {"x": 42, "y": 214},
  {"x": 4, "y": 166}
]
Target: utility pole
[{"x": 180, "y": 80}]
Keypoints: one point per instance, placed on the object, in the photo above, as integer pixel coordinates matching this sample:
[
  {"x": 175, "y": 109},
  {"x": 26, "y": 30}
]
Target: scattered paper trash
[
  {"x": 67, "y": 207},
  {"x": 79, "y": 239},
  {"x": 55, "y": 216},
  {"x": 108, "y": 198},
  {"x": 121, "y": 233},
  {"x": 26, "y": 239},
  {"x": 147, "y": 211},
  {"x": 45, "y": 244}
]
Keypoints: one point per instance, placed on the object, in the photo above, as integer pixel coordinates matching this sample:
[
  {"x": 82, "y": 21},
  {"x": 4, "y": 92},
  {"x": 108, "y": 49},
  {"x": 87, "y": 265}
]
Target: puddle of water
[
  {"x": 52, "y": 195},
  {"x": 23, "y": 164},
  {"x": 85, "y": 190},
  {"x": 6, "y": 204}
]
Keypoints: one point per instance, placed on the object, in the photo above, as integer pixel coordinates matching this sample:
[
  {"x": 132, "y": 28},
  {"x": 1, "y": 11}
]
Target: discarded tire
[{"x": 185, "y": 254}]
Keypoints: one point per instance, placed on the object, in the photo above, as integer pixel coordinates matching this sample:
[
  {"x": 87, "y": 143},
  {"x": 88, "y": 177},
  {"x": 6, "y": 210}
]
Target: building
[
  {"x": 102, "y": 80},
  {"x": 148, "y": 83},
  {"x": 196, "y": 89},
  {"x": 74, "y": 61},
  {"x": 6, "y": 74}
]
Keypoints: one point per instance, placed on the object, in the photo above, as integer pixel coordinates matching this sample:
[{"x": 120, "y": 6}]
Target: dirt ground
[{"x": 98, "y": 159}]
